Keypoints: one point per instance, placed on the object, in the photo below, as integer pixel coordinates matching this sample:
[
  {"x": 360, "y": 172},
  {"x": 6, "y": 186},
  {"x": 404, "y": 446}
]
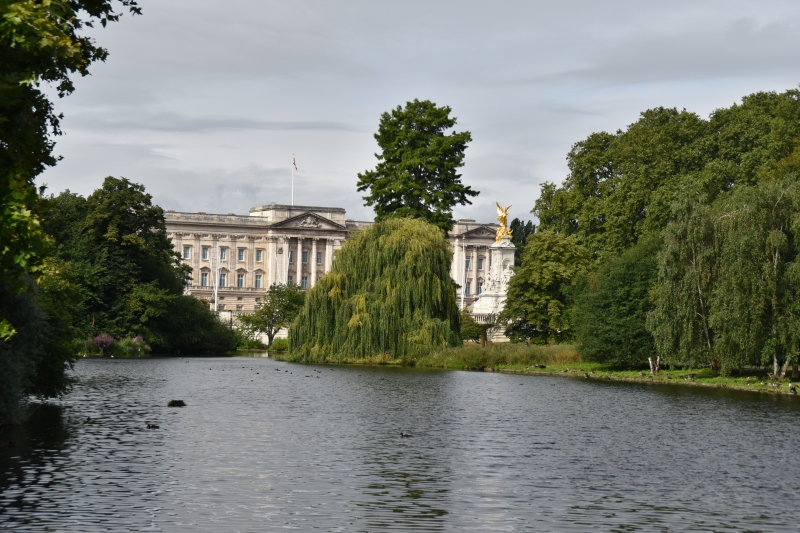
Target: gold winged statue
[{"x": 502, "y": 216}]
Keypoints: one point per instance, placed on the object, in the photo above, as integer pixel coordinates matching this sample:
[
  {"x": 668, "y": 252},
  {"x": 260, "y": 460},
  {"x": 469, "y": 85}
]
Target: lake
[{"x": 270, "y": 446}]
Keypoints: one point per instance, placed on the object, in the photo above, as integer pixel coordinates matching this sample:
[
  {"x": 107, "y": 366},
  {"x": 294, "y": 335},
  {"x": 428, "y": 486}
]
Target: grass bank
[{"x": 562, "y": 360}]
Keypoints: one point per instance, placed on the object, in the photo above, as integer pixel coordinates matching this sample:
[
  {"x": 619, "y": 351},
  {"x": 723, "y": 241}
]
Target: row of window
[
  {"x": 223, "y": 280},
  {"x": 469, "y": 263},
  {"x": 223, "y": 255},
  {"x": 468, "y": 287}
]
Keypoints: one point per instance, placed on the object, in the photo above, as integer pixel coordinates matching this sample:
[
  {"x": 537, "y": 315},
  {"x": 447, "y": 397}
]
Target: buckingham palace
[{"x": 237, "y": 257}]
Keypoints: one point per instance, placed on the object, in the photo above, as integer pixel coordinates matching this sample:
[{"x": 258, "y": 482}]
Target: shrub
[
  {"x": 133, "y": 347},
  {"x": 279, "y": 345},
  {"x": 99, "y": 345}
]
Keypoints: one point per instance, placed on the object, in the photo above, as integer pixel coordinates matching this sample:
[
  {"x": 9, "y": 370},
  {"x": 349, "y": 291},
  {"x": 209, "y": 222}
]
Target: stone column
[
  {"x": 312, "y": 261},
  {"x": 284, "y": 262},
  {"x": 299, "y": 260},
  {"x": 251, "y": 262},
  {"x": 328, "y": 254},
  {"x": 197, "y": 254},
  {"x": 474, "y": 266},
  {"x": 271, "y": 260}
]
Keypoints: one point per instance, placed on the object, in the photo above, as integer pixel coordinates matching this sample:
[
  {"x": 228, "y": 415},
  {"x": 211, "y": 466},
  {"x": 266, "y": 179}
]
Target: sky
[{"x": 204, "y": 102}]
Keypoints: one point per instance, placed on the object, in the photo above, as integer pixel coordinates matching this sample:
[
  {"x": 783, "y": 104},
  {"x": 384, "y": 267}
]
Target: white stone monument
[{"x": 495, "y": 287}]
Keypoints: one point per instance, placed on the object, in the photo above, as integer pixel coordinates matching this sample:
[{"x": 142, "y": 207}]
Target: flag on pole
[{"x": 293, "y": 163}]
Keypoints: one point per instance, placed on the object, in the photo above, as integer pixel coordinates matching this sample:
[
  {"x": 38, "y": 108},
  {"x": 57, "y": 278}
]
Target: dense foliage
[
  {"x": 39, "y": 42},
  {"x": 729, "y": 281},
  {"x": 622, "y": 186},
  {"x": 520, "y": 231},
  {"x": 417, "y": 174},
  {"x": 276, "y": 310},
  {"x": 388, "y": 294},
  {"x": 538, "y": 294},
  {"x": 611, "y": 308},
  {"x": 720, "y": 194},
  {"x": 130, "y": 278}
]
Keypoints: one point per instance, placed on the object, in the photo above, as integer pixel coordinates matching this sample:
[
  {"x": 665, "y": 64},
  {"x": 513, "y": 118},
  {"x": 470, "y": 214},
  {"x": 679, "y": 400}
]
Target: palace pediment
[
  {"x": 481, "y": 231},
  {"x": 310, "y": 221}
]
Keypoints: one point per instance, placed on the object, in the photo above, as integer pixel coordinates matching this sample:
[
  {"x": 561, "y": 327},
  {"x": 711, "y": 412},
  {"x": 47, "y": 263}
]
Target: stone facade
[{"x": 281, "y": 243}]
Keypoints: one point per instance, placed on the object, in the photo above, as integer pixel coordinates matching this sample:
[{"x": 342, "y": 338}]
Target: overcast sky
[{"x": 205, "y": 102}]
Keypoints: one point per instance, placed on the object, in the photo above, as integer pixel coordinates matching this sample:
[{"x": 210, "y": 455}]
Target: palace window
[
  {"x": 290, "y": 279},
  {"x": 480, "y": 288},
  {"x": 187, "y": 251},
  {"x": 241, "y": 254},
  {"x": 469, "y": 262},
  {"x": 239, "y": 298},
  {"x": 258, "y": 281},
  {"x": 305, "y": 257},
  {"x": 259, "y": 255},
  {"x": 204, "y": 279},
  {"x": 319, "y": 258},
  {"x": 291, "y": 256},
  {"x": 239, "y": 307},
  {"x": 221, "y": 307},
  {"x": 221, "y": 297},
  {"x": 466, "y": 289},
  {"x": 205, "y": 252},
  {"x": 240, "y": 280},
  {"x": 222, "y": 279},
  {"x": 223, "y": 253},
  {"x": 480, "y": 264},
  {"x": 304, "y": 282}
]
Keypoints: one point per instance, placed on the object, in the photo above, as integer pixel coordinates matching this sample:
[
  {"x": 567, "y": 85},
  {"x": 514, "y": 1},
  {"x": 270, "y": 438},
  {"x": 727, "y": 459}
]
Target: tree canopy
[
  {"x": 276, "y": 310},
  {"x": 40, "y": 42},
  {"x": 417, "y": 173},
  {"x": 611, "y": 307},
  {"x": 538, "y": 293},
  {"x": 131, "y": 278},
  {"x": 388, "y": 295},
  {"x": 621, "y": 186}
]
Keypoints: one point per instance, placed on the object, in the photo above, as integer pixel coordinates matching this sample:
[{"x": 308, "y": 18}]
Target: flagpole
[{"x": 292, "y": 179}]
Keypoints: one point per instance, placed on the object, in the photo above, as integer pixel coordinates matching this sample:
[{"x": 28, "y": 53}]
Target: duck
[
  {"x": 152, "y": 426},
  {"x": 404, "y": 435},
  {"x": 586, "y": 375},
  {"x": 792, "y": 388}
]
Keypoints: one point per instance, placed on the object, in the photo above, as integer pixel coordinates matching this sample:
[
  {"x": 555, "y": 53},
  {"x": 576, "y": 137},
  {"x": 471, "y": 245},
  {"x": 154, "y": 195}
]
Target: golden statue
[{"x": 502, "y": 216}]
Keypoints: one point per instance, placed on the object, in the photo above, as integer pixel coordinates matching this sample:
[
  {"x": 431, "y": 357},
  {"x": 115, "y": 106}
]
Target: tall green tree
[
  {"x": 40, "y": 42},
  {"x": 610, "y": 313},
  {"x": 520, "y": 231},
  {"x": 276, "y": 310},
  {"x": 621, "y": 185},
  {"x": 131, "y": 280},
  {"x": 417, "y": 173},
  {"x": 687, "y": 273},
  {"x": 539, "y": 291},
  {"x": 389, "y": 293}
]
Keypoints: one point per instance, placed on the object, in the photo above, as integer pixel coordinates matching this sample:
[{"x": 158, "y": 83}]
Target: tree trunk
[
  {"x": 655, "y": 367},
  {"x": 784, "y": 368},
  {"x": 794, "y": 371},
  {"x": 483, "y": 337},
  {"x": 775, "y": 365}
]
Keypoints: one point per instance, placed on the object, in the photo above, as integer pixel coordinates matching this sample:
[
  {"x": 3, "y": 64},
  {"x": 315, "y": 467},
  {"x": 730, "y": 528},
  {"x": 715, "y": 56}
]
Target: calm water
[{"x": 268, "y": 446}]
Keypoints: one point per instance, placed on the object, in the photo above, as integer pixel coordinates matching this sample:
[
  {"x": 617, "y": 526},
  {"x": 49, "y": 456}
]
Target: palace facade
[{"x": 239, "y": 256}]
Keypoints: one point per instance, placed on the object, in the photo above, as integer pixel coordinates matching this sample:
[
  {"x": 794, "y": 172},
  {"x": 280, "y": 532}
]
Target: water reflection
[{"x": 265, "y": 446}]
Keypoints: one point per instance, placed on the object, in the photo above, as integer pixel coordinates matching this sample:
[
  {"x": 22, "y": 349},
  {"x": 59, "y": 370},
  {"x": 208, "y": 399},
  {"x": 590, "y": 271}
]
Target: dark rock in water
[{"x": 176, "y": 403}]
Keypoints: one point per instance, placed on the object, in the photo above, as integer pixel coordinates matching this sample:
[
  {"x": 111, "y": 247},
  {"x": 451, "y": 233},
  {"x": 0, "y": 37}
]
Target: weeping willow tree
[{"x": 388, "y": 296}]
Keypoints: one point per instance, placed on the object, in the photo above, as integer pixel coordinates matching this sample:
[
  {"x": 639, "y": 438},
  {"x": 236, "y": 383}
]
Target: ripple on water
[{"x": 260, "y": 450}]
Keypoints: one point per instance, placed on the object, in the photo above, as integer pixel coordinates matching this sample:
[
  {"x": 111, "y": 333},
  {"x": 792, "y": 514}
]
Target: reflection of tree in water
[
  {"x": 29, "y": 457},
  {"x": 411, "y": 495}
]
